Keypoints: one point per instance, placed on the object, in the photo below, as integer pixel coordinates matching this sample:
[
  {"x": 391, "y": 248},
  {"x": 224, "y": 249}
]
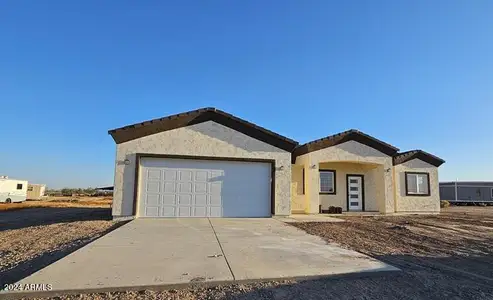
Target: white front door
[
  {"x": 202, "y": 188},
  {"x": 355, "y": 192}
]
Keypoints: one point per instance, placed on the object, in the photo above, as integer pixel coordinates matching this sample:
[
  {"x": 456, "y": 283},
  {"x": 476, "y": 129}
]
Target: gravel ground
[
  {"x": 442, "y": 257},
  {"x": 26, "y": 249}
]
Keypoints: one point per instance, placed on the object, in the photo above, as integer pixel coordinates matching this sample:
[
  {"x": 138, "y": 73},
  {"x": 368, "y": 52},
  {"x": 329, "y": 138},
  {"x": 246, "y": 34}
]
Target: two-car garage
[
  {"x": 170, "y": 187},
  {"x": 201, "y": 163}
]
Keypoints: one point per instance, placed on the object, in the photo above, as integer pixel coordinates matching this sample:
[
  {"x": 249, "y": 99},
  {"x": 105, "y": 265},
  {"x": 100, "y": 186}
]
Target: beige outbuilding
[
  {"x": 208, "y": 163},
  {"x": 35, "y": 191}
]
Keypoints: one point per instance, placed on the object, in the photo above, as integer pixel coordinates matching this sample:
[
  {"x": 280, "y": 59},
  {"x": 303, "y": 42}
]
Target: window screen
[
  {"x": 327, "y": 182},
  {"x": 417, "y": 184}
]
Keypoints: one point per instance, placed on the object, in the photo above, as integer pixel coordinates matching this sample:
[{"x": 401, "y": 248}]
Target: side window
[
  {"x": 29, "y": 188},
  {"x": 19, "y": 186},
  {"x": 417, "y": 184}
]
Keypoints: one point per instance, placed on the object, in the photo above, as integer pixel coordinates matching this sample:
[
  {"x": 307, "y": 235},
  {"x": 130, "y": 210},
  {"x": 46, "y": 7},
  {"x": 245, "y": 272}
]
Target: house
[
  {"x": 208, "y": 163},
  {"x": 35, "y": 191},
  {"x": 467, "y": 191},
  {"x": 12, "y": 190}
]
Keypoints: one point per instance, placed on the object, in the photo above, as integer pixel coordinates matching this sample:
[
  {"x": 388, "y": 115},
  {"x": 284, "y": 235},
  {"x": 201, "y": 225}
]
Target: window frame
[
  {"x": 334, "y": 181},
  {"x": 21, "y": 186},
  {"x": 417, "y": 194}
]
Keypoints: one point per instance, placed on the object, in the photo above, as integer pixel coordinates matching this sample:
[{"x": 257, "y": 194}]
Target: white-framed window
[
  {"x": 417, "y": 184},
  {"x": 327, "y": 181}
]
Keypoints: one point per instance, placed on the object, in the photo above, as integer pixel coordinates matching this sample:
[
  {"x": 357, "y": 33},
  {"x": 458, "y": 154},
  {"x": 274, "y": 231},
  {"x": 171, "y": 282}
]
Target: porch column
[{"x": 312, "y": 188}]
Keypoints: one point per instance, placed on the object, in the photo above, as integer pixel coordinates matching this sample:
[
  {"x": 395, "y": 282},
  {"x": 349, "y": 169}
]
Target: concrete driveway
[{"x": 148, "y": 252}]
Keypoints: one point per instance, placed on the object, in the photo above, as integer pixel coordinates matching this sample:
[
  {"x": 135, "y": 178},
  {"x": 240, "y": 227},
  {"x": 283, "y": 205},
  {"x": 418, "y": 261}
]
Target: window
[
  {"x": 19, "y": 186},
  {"x": 491, "y": 193},
  {"x": 417, "y": 184},
  {"x": 29, "y": 188},
  {"x": 327, "y": 182}
]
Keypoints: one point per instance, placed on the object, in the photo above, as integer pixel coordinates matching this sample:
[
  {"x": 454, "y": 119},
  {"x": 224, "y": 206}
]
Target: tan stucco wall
[
  {"x": 380, "y": 178},
  {"x": 297, "y": 195},
  {"x": 204, "y": 139},
  {"x": 416, "y": 203},
  {"x": 370, "y": 185},
  {"x": 37, "y": 192}
]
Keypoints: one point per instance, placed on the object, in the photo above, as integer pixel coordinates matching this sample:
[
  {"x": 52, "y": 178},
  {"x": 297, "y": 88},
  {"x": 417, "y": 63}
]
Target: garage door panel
[
  {"x": 185, "y": 175},
  {"x": 153, "y": 186},
  {"x": 201, "y": 188},
  {"x": 184, "y": 211},
  {"x": 154, "y": 174},
  {"x": 152, "y": 200},
  {"x": 185, "y": 199},
  {"x": 201, "y": 176},
  {"x": 152, "y": 211},
  {"x": 184, "y": 187},
  {"x": 169, "y": 200},
  {"x": 169, "y": 187},
  {"x": 201, "y": 200},
  {"x": 170, "y": 175},
  {"x": 215, "y": 212},
  {"x": 168, "y": 211},
  {"x": 200, "y": 211}
]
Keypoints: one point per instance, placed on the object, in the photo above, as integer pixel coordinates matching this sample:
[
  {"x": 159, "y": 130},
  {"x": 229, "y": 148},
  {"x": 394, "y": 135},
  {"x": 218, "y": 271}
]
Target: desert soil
[
  {"x": 441, "y": 257},
  {"x": 30, "y": 239}
]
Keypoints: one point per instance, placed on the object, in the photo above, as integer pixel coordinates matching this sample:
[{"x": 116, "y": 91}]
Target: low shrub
[{"x": 444, "y": 203}]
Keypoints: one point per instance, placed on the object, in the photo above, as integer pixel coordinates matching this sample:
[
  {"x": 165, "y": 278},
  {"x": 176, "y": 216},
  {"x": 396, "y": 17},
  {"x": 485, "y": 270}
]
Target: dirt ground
[
  {"x": 441, "y": 257},
  {"x": 59, "y": 202},
  {"x": 33, "y": 238}
]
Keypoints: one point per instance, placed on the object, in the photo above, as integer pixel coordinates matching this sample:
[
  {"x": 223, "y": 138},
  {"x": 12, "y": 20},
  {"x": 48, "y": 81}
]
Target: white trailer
[{"x": 12, "y": 190}]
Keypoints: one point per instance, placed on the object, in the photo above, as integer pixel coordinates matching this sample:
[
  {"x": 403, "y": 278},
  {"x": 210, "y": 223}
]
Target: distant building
[
  {"x": 35, "y": 191},
  {"x": 12, "y": 190},
  {"x": 466, "y": 191}
]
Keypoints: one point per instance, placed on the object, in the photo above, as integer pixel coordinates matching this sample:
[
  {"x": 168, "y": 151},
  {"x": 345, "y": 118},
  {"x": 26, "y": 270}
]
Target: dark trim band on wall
[
  {"x": 335, "y": 182},
  {"x": 362, "y": 190},
  {"x": 138, "y": 157},
  {"x": 407, "y": 188}
]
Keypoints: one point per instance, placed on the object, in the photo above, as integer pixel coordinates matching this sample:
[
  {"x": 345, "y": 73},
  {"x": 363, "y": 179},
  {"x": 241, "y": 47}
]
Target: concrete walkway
[{"x": 148, "y": 252}]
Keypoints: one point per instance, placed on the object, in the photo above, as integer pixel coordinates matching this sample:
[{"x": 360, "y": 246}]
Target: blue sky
[{"x": 416, "y": 74}]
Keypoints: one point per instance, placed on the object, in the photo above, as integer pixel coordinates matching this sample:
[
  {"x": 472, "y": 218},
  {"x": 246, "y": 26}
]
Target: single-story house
[{"x": 208, "y": 163}]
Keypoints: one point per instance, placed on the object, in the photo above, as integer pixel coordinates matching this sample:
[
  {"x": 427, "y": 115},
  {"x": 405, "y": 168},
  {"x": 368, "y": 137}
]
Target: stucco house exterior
[{"x": 208, "y": 163}]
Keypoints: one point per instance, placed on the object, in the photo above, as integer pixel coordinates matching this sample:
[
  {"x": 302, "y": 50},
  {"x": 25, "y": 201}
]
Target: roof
[
  {"x": 342, "y": 137},
  {"x": 418, "y": 154},
  {"x": 135, "y": 131}
]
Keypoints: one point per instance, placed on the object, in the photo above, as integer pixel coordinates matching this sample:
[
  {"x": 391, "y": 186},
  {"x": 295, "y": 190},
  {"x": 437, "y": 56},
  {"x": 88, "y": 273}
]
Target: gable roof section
[
  {"x": 403, "y": 157},
  {"x": 339, "y": 138},
  {"x": 135, "y": 131}
]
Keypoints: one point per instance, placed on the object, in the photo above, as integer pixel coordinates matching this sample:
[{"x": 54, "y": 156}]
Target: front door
[{"x": 355, "y": 192}]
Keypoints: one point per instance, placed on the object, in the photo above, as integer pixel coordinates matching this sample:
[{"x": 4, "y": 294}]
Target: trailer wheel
[{"x": 8, "y": 200}]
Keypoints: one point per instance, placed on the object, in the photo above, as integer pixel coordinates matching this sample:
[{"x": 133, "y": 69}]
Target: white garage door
[{"x": 203, "y": 188}]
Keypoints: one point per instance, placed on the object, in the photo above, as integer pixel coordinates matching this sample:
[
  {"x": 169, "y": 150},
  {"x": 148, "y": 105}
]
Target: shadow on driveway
[{"x": 28, "y": 217}]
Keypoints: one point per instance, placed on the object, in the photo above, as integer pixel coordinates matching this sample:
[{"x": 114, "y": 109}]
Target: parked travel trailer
[
  {"x": 35, "y": 191},
  {"x": 12, "y": 190}
]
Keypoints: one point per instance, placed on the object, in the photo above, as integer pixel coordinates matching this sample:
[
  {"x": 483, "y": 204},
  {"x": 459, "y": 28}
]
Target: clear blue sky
[{"x": 416, "y": 74}]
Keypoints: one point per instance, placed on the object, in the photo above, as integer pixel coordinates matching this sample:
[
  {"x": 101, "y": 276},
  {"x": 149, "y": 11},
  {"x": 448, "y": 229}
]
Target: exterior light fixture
[{"x": 126, "y": 162}]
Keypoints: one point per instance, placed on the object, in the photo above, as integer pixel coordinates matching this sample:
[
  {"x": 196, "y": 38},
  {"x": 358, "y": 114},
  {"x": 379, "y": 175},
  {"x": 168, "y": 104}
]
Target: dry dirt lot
[
  {"x": 441, "y": 257},
  {"x": 76, "y": 201},
  {"x": 45, "y": 231}
]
